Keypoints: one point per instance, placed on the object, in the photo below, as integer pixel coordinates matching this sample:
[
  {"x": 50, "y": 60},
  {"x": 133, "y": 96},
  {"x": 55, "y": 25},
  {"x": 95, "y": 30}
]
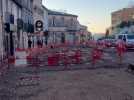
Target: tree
[
  {"x": 107, "y": 33},
  {"x": 124, "y": 24}
]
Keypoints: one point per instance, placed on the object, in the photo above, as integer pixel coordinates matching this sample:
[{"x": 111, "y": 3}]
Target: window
[
  {"x": 0, "y": 7},
  {"x": 12, "y": 7},
  {"x": 130, "y": 36},
  {"x": 17, "y": 12},
  {"x": 54, "y": 24},
  {"x": 63, "y": 22},
  {"x": 120, "y": 37},
  {"x": 71, "y": 22},
  {"x": 6, "y": 4}
]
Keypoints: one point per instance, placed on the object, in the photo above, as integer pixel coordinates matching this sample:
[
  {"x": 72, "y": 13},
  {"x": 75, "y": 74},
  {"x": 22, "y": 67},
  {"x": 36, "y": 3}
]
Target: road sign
[{"x": 39, "y": 25}]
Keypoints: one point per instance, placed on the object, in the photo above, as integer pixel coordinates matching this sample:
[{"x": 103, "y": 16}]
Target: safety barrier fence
[
  {"x": 64, "y": 55},
  {"x": 60, "y": 55}
]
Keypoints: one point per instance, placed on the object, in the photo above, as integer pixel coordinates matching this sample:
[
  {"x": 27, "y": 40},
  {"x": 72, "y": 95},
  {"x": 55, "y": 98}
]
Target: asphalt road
[{"x": 107, "y": 80}]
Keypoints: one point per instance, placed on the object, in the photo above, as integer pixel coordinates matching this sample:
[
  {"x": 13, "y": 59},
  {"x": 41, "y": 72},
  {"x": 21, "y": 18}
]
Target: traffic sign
[{"x": 39, "y": 25}]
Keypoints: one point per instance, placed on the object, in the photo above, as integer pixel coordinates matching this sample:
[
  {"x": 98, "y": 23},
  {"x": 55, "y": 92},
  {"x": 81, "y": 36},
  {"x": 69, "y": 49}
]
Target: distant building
[
  {"x": 11, "y": 12},
  {"x": 125, "y": 14},
  {"x": 63, "y": 27},
  {"x": 84, "y": 34}
]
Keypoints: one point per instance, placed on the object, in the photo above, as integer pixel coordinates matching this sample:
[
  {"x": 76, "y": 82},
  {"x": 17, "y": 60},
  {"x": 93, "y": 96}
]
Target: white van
[{"x": 127, "y": 38}]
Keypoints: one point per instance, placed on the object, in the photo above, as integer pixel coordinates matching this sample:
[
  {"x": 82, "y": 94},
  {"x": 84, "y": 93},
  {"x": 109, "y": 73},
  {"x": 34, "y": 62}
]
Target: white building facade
[
  {"x": 28, "y": 22},
  {"x": 11, "y": 11},
  {"x": 84, "y": 34},
  {"x": 45, "y": 26},
  {"x": 63, "y": 27},
  {"x": 18, "y": 20},
  {"x": 38, "y": 15},
  {"x": 1, "y": 33}
]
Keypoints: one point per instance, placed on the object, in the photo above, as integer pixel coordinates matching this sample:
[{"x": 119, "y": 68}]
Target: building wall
[
  {"x": 62, "y": 21},
  {"x": 12, "y": 8},
  {"x": 67, "y": 25},
  {"x": 27, "y": 16},
  {"x": 38, "y": 12},
  {"x": 45, "y": 21},
  {"x": 62, "y": 25},
  {"x": 125, "y": 14},
  {"x": 20, "y": 9},
  {"x": 116, "y": 18},
  {"x": 1, "y": 33}
]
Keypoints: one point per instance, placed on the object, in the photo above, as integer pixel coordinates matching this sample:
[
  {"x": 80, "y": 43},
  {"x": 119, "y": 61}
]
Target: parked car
[
  {"x": 110, "y": 42},
  {"x": 128, "y": 39}
]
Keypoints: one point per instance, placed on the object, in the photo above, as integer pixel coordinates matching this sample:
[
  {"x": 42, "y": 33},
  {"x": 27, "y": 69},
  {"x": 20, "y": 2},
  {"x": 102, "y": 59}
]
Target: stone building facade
[
  {"x": 63, "y": 27},
  {"x": 125, "y": 14},
  {"x": 18, "y": 22},
  {"x": 38, "y": 15},
  {"x": 11, "y": 11},
  {"x": 84, "y": 34},
  {"x": 1, "y": 33},
  {"x": 28, "y": 22}
]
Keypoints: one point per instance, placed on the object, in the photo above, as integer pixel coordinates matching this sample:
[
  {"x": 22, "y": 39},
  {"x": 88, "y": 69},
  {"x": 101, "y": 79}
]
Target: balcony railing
[
  {"x": 57, "y": 29},
  {"x": 72, "y": 28}
]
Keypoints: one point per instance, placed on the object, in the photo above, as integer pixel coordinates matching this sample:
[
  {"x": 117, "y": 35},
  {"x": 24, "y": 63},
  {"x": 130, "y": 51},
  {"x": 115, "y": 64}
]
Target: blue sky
[{"x": 96, "y": 14}]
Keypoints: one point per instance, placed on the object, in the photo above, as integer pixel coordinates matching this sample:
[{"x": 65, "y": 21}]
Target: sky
[{"x": 96, "y": 14}]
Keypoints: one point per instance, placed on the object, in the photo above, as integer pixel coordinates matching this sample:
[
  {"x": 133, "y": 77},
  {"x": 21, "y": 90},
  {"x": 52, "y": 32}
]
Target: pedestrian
[
  {"x": 96, "y": 55},
  {"x": 33, "y": 43},
  {"x": 38, "y": 43},
  {"x": 29, "y": 43},
  {"x": 51, "y": 47},
  {"x": 121, "y": 47},
  {"x": 41, "y": 43}
]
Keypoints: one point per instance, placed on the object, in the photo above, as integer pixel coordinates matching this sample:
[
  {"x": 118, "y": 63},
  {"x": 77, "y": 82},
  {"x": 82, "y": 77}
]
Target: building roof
[
  {"x": 50, "y": 12},
  {"x": 124, "y": 9},
  {"x": 44, "y": 7}
]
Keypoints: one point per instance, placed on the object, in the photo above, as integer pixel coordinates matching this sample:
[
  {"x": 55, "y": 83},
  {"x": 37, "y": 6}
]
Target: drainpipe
[
  {"x": 11, "y": 44},
  {"x": 2, "y": 25}
]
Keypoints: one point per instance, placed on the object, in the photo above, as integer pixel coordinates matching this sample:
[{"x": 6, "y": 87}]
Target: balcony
[
  {"x": 19, "y": 24},
  {"x": 57, "y": 29},
  {"x": 9, "y": 18},
  {"x": 72, "y": 28}
]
